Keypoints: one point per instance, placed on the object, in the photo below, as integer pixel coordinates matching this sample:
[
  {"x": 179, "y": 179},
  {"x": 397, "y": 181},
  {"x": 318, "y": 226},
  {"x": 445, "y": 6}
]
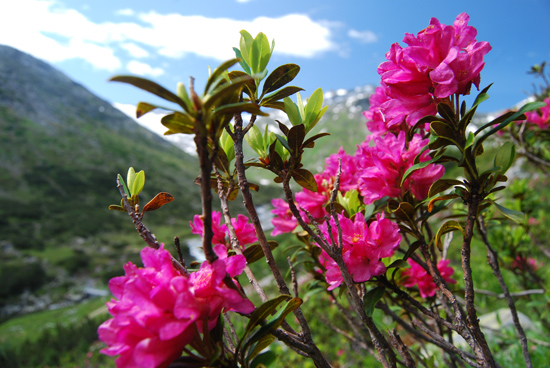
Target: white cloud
[
  {"x": 151, "y": 121},
  {"x": 143, "y": 69},
  {"x": 363, "y": 36},
  {"x": 55, "y": 33},
  {"x": 127, "y": 12},
  {"x": 134, "y": 50}
]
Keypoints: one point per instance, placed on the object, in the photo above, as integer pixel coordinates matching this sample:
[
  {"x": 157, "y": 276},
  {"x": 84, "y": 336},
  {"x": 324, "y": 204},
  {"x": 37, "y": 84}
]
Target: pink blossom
[
  {"x": 541, "y": 118},
  {"x": 145, "y": 330},
  {"x": 157, "y": 308},
  {"x": 283, "y": 221},
  {"x": 438, "y": 62},
  {"x": 418, "y": 276},
  {"x": 363, "y": 247},
  {"x": 314, "y": 202},
  {"x": 243, "y": 230},
  {"x": 348, "y": 177},
  {"x": 523, "y": 264},
  {"x": 381, "y": 168}
]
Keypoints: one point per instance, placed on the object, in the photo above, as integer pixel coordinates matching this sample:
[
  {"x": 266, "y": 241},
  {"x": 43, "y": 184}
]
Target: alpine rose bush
[{"x": 157, "y": 307}]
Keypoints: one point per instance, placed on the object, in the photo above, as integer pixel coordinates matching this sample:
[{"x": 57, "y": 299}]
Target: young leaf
[
  {"x": 292, "y": 111},
  {"x": 124, "y": 187},
  {"x": 130, "y": 179},
  {"x": 138, "y": 183},
  {"x": 313, "y": 106},
  {"x": 256, "y": 141},
  {"x": 245, "y": 45}
]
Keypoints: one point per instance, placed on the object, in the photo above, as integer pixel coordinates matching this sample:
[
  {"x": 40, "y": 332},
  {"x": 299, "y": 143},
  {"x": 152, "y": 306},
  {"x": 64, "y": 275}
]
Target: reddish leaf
[{"x": 160, "y": 200}]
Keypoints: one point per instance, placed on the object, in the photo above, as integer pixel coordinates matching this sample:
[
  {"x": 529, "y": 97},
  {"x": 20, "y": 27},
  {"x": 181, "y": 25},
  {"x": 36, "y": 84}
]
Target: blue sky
[{"x": 338, "y": 44}]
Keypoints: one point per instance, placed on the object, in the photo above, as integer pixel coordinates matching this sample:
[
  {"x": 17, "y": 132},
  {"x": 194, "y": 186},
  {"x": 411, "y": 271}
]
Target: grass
[{"x": 28, "y": 327}]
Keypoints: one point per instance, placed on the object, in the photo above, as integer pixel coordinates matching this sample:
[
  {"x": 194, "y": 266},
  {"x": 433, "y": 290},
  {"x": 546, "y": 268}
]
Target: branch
[{"x": 492, "y": 257}]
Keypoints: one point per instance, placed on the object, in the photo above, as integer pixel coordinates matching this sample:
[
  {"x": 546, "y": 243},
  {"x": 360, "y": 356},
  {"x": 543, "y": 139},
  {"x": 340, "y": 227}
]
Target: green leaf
[
  {"x": 151, "y": 87},
  {"x": 317, "y": 118},
  {"x": 505, "y": 156},
  {"x": 275, "y": 321},
  {"x": 418, "y": 166},
  {"x": 283, "y": 141},
  {"x": 447, "y": 227},
  {"x": 138, "y": 183},
  {"x": 227, "y": 90},
  {"x": 313, "y": 106},
  {"x": 470, "y": 140},
  {"x": 254, "y": 251},
  {"x": 517, "y": 216},
  {"x": 178, "y": 123},
  {"x": 182, "y": 93},
  {"x": 446, "y": 112},
  {"x": 441, "y": 198},
  {"x": 239, "y": 107},
  {"x": 218, "y": 73},
  {"x": 525, "y": 108},
  {"x": 255, "y": 140},
  {"x": 371, "y": 298},
  {"x": 143, "y": 108},
  {"x": 442, "y": 185},
  {"x": 305, "y": 179},
  {"x": 261, "y": 313},
  {"x": 399, "y": 263},
  {"x": 260, "y": 53},
  {"x": 242, "y": 61},
  {"x": 282, "y": 93},
  {"x": 116, "y": 207},
  {"x": 245, "y": 45},
  {"x": 130, "y": 179},
  {"x": 281, "y": 76},
  {"x": 265, "y": 359},
  {"x": 124, "y": 187},
  {"x": 292, "y": 111}
]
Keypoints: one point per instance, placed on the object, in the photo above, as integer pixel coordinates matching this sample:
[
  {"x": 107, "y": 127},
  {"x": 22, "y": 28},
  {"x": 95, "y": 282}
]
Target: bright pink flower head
[
  {"x": 438, "y": 62},
  {"x": 314, "y": 202},
  {"x": 145, "y": 330},
  {"x": 157, "y": 307},
  {"x": 283, "y": 221},
  {"x": 541, "y": 118},
  {"x": 348, "y": 177},
  {"x": 363, "y": 246},
  {"x": 381, "y": 168},
  {"x": 219, "y": 229},
  {"x": 243, "y": 230},
  {"x": 418, "y": 276}
]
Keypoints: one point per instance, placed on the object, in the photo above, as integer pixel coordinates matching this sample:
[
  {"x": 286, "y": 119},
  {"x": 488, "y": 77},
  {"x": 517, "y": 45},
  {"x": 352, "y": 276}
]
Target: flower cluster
[
  {"x": 542, "y": 119},
  {"x": 158, "y": 311},
  {"x": 243, "y": 230},
  {"x": 523, "y": 264},
  {"x": 363, "y": 247},
  {"x": 440, "y": 61},
  {"x": 383, "y": 165},
  {"x": 418, "y": 276}
]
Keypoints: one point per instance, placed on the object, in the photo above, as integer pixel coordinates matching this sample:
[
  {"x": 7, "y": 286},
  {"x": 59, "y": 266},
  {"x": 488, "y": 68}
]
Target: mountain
[{"x": 60, "y": 150}]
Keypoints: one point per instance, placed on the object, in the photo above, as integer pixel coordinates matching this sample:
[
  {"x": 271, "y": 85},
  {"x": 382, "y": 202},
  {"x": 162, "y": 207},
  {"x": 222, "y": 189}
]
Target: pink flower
[
  {"x": 381, "y": 168},
  {"x": 438, "y": 62},
  {"x": 157, "y": 308},
  {"x": 147, "y": 330},
  {"x": 243, "y": 230},
  {"x": 418, "y": 276},
  {"x": 348, "y": 177},
  {"x": 542, "y": 117},
  {"x": 363, "y": 247},
  {"x": 523, "y": 264},
  {"x": 283, "y": 221}
]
